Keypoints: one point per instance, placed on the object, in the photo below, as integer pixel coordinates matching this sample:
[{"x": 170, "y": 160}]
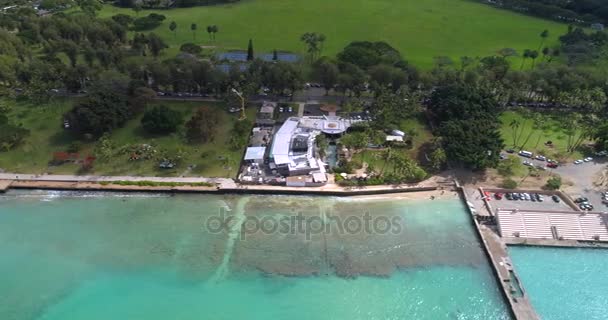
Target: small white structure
[
  {"x": 398, "y": 133},
  {"x": 394, "y": 138},
  {"x": 255, "y": 154}
]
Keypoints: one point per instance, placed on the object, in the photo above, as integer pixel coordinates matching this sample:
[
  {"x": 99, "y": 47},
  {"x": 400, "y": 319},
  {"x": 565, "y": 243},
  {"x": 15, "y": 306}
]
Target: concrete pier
[{"x": 496, "y": 250}]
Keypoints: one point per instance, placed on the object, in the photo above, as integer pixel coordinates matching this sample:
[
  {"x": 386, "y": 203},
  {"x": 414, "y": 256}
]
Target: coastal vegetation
[{"x": 453, "y": 111}]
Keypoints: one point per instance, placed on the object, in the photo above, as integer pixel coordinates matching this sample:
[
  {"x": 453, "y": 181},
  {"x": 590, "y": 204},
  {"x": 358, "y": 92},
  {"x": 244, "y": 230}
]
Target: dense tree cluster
[
  {"x": 161, "y": 120},
  {"x": 201, "y": 127},
  {"x": 104, "y": 109},
  {"x": 165, "y": 4},
  {"x": 467, "y": 121},
  {"x": 580, "y": 11},
  {"x": 11, "y": 134}
]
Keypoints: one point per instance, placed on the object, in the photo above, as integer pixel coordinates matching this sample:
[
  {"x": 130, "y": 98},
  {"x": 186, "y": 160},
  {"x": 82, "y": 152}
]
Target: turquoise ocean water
[
  {"x": 115, "y": 256},
  {"x": 564, "y": 283}
]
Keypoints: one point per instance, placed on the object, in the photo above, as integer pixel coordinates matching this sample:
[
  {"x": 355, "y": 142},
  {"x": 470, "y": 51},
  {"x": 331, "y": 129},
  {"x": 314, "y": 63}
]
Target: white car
[
  {"x": 528, "y": 163},
  {"x": 541, "y": 158},
  {"x": 587, "y": 159},
  {"x": 578, "y": 161}
]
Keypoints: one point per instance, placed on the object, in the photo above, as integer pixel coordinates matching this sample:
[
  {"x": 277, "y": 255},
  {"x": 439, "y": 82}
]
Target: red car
[
  {"x": 498, "y": 196},
  {"x": 552, "y": 165}
]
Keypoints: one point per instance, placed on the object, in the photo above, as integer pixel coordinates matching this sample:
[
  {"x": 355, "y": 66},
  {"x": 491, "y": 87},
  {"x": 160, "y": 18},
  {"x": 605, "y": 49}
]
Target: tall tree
[
  {"x": 210, "y": 31},
  {"x": 173, "y": 28},
  {"x": 326, "y": 72},
  {"x": 533, "y": 56},
  {"x": 215, "y": 29},
  {"x": 201, "y": 127},
  {"x": 156, "y": 44},
  {"x": 543, "y": 37},
  {"x": 193, "y": 27},
  {"x": 525, "y": 56},
  {"x": 313, "y": 42},
  {"x": 250, "y": 55}
]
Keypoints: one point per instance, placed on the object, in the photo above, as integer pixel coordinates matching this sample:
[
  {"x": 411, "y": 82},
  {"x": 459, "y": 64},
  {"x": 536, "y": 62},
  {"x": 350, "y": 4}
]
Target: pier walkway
[{"x": 499, "y": 257}]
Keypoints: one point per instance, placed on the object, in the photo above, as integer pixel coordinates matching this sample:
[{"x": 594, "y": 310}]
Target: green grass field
[
  {"x": 421, "y": 30},
  {"x": 553, "y": 130},
  {"x": 47, "y": 137}
]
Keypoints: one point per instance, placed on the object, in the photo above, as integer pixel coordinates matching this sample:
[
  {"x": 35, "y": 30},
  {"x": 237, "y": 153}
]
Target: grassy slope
[
  {"x": 47, "y": 137},
  {"x": 421, "y": 30}
]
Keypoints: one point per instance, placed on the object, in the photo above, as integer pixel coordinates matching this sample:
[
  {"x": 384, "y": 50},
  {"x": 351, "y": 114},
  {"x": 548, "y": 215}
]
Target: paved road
[{"x": 583, "y": 175}]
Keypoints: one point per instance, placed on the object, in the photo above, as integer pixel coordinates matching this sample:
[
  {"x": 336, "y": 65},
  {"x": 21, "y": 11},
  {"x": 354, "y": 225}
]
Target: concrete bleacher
[{"x": 553, "y": 225}]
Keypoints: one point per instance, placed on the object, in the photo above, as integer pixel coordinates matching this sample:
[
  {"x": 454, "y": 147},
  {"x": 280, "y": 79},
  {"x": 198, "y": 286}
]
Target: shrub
[
  {"x": 190, "y": 48},
  {"x": 74, "y": 147},
  {"x": 509, "y": 183},
  {"x": 161, "y": 119},
  {"x": 554, "y": 183},
  {"x": 149, "y": 22}
]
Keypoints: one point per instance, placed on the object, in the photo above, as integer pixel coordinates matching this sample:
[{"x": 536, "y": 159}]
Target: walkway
[
  {"x": 221, "y": 182},
  {"x": 499, "y": 258}
]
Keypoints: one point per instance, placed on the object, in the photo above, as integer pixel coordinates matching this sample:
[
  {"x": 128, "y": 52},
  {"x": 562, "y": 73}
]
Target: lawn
[
  {"x": 422, "y": 135},
  {"x": 552, "y": 130},
  {"x": 213, "y": 159},
  {"x": 421, "y": 30}
]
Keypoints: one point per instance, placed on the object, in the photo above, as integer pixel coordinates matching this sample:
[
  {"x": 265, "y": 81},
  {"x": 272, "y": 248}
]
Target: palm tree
[
  {"x": 533, "y": 56},
  {"x": 525, "y": 56},
  {"x": 193, "y": 28},
  {"x": 209, "y": 31},
  {"x": 514, "y": 125},
  {"x": 546, "y": 53},
  {"x": 539, "y": 122},
  {"x": 543, "y": 36},
  {"x": 173, "y": 27},
  {"x": 215, "y": 29}
]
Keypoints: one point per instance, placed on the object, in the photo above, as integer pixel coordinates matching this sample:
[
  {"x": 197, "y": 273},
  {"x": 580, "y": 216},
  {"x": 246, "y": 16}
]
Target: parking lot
[{"x": 547, "y": 204}]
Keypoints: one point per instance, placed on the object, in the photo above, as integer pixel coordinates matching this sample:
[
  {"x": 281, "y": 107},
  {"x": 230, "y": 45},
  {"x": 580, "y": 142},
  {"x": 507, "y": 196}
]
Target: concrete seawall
[{"x": 96, "y": 186}]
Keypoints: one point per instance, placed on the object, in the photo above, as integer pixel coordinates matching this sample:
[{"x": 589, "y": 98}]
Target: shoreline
[{"x": 199, "y": 185}]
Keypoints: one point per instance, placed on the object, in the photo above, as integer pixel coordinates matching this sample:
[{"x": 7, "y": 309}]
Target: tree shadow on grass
[{"x": 62, "y": 138}]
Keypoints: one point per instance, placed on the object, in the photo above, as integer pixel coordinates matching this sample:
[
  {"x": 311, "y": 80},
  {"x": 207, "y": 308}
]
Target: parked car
[
  {"x": 578, "y": 161},
  {"x": 541, "y": 158},
  {"x": 552, "y": 165},
  {"x": 587, "y": 159},
  {"x": 540, "y": 198},
  {"x": 528, "y": 163},
  {"x": 526, "y": 196},
  {"x": 510, "y": 151},
  {"x": 555, "y": 198},
  {"x": 498, "y": 196},
  {"x": 580, "y": 200},
  {"x": 509, "y": 196},
  {"x": 525, "y": 153}
]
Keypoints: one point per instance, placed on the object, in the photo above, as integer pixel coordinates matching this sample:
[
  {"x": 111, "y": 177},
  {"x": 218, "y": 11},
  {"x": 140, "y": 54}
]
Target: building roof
[
  {"x": 319, "y": 177},
  {"x": 281, "y": 141},
  {"x": 267, "y": 109},
  {"x": 255, "y": 153}
]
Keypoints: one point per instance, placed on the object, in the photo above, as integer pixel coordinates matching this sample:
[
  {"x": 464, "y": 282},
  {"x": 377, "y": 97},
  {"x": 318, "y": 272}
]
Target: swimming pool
[{"x": 564, "y": 283}]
